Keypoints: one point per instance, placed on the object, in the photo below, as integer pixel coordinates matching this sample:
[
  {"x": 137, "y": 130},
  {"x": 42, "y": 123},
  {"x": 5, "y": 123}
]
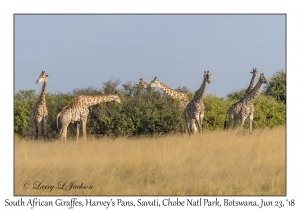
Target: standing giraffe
[
  {"x": 244, "y": 108},
  {"x": 39, "y": 113},
  {"x": 78, "y": 112},
  {"x": 194, "y": 111},
  {"x": 182, "y": 97},
  {"x": 143, "y": 83},
  {"x": 249, "y": 89}
]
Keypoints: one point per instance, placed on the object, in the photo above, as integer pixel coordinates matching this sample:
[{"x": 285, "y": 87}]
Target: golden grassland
[{"x": 216, "y": 163}]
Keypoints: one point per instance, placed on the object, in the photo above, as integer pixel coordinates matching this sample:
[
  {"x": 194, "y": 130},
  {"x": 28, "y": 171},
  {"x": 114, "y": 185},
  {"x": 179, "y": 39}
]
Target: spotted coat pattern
[{"x": 78, "y": 112}]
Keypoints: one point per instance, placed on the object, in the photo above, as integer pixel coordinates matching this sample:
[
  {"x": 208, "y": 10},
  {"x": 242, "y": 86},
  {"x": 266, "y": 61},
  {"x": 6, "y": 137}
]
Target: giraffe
[
  {"x": 39, "y": 113},
  {"x": 177, "y": 95},
  {"x": 143, "y": 83},
  {"x": 249, "y": 89},
  {"x": 245, "y": 108},
  {"x": 194, "y": 111},
  {"x": 78, "y": 112},
  {"x": 251, "y": 85}
]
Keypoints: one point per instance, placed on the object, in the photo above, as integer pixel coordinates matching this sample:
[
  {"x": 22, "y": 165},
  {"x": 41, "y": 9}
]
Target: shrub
[
  {"x": 142, "y": 112},
  {"x": 277, "y": 86}
]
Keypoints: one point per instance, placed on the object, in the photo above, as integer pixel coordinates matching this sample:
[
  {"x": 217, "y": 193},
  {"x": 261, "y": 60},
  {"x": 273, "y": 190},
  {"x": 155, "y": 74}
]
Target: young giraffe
[
  {"x": 78, "y": 112},
  {"x": 244, "y": 108},
  {"x": 143, "y": 83},
  {"x": 183, "y": 99},
  {"x": 194, "y": 111},
  {"x": 39, "y": 113}
]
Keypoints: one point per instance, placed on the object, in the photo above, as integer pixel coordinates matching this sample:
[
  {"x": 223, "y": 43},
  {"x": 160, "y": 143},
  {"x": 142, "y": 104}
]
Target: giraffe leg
[
  {"x": 188, "y": 123},
  {"x": 45, "y": 127},
  {"x": 39, "y": 130},
  {"x": 250, "y": 122},
  {"x": 77, "y": 130},
  {"x": 194, "y": 127},
  {"x": 236, "y": 121},
  {"x": 34, "y": 127},
  {"x": 242, "y": 122},
  {"x": 230, "y": 121},
  {"x": 64, "y": 129},
  {"x": 84, "y": 129},
  {"x": 197, "y": 123},
  {"x": 201, "y": 122},
  {"x": 189, "y": 126}
]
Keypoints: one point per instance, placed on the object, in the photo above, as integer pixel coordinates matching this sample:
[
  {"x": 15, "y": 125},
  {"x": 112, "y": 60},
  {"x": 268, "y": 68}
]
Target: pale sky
[{"x": 79, "y": 51}]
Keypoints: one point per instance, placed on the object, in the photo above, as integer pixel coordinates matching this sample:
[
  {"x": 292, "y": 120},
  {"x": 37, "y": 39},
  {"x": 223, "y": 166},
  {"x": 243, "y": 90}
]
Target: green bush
[
  {"x": 277, "y": 86},
  {"x": 142, "y": 112}
]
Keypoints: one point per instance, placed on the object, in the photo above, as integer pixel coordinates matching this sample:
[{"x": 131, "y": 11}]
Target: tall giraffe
[
  {"x": 194, "y": 111},
  {"x": 143, "y": 83},
  {"x": 251, "y": 85},
  {"x": 39, "y": 113},
  {"x": 78, "y": 112},
  {"x": 245, "y": 108},
  {"x": 181, "y": 97}
]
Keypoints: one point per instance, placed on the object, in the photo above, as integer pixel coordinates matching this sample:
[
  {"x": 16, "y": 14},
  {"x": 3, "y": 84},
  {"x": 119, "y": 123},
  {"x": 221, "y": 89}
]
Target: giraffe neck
[
  {"x": 170, "y": 92},
  {"x": 251, "y": 85},
  {"x": 97, "y": 99},
  {"x": 252, "y": 95},
  {"x": 200, "y": 93},
  {"x": 42, "y": 98}
]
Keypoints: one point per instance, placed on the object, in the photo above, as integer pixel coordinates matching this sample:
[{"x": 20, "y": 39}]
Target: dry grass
[{"x": 216, "y": 163}]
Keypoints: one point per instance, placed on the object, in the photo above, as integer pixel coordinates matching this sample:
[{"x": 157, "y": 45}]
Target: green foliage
[
  {"x": 215, "y": 111},
  {"x": 142, "y": 112},
  {"x": 277, "y": 86},
  {"x": 236, "y": 95},
  {"x": 24, "y": 100},
  {"x": 268, "y": 112},
  {"x": 190, "y": 94}
]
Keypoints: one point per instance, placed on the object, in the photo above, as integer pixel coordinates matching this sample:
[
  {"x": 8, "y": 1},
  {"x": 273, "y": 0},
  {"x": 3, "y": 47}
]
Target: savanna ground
[{"x": 216, "y": 163}]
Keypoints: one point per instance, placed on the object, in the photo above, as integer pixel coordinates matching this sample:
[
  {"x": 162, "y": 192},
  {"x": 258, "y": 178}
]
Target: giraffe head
[
  {"x": 254, "y": 72},
  {"x": 154, "y": 83},
  {"x": 143, "y": 83},
  {"x": 42, "y": 78},
  {"x": 115, "y": 97},
  {"x": 263, "y": 79},
  {"x": 207, "y": 75}
]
